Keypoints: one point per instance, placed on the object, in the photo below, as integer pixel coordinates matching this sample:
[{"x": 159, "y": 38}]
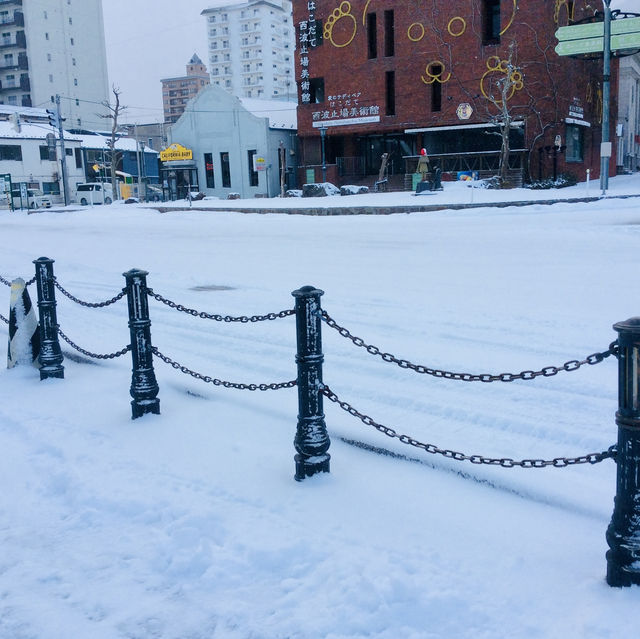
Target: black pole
[
  {"x": 623, "y": 533},
  {"x": 144, "y": 387},
  {"x": 311, "y": 440},
  {"x": 50, "y": 357}
]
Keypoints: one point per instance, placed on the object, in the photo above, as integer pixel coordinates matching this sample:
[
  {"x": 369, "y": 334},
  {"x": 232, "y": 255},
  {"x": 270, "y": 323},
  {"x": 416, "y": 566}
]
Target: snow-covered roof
[
  {"x": 100, "y": 142},
  {"x": 31, "y": 131},
  {"x": 7, "y": 109},
  {"x": 282, "y": 114},
  {"x": 36, "y": 131}
]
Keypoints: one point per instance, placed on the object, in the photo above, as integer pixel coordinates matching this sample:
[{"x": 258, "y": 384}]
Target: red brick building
[{"x": 381, "y": 76}]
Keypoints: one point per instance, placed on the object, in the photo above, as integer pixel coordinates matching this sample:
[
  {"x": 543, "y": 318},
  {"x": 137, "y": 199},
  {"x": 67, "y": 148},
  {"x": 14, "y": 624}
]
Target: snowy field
[{"x": 189, "y": 525}]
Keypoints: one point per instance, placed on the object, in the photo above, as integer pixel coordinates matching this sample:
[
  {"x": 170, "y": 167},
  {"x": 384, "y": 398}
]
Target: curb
[{"x": 385, "y": 210}]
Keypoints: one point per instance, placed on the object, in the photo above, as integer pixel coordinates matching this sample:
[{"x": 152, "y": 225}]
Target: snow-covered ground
[{"x": 189, "y": 525}]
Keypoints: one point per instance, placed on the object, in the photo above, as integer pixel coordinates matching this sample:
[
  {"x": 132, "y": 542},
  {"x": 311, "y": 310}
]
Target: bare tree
[
  {"x": 114, "y": 112},
  {"x": 506, "y": 84}
]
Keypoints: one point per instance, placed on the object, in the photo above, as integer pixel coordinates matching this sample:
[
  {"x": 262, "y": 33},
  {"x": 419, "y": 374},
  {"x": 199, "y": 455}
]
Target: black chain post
[
  {"x": 50, "y": 357},
  {"x": 144, "y": 387},
  {"x": 311, "y": 440},
  {"x": 623, "y": 533}
]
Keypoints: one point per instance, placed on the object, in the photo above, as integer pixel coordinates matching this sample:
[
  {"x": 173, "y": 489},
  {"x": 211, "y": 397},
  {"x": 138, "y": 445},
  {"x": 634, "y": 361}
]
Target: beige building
[{"x": 176, "y": 92}]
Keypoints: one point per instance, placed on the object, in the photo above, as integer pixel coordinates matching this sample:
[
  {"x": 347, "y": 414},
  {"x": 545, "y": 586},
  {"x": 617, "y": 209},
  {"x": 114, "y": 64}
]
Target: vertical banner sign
[
  {"x": 307, "y": 38},
  {"x": 24, "y": 336}
]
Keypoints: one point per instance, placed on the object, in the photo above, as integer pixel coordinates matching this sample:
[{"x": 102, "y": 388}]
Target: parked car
[
  {"x": 94, "y": 193},
  {"x": 36, "y": 199}
]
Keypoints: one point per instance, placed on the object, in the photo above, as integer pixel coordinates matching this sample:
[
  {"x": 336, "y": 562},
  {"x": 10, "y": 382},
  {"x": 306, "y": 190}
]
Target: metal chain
[
  {"x": 505, "y": 462},
  {"x": 219, "y": 318},
  {"x": 4, "y": 319},
  {"x": 113, "y": 300},
  {"x": 219, "y": 382},
  {"x": 119, "y": 353},
  {"x": 8, "y": 283},
  {"x": 547, "y": 371}
]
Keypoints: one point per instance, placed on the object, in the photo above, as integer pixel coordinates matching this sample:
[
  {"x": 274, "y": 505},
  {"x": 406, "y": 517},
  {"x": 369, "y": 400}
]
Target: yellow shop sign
[{"x": 175, "y": 152}]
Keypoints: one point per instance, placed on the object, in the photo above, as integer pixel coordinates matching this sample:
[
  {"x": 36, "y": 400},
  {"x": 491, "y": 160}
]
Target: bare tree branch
[{"x": 114, "y": 112}]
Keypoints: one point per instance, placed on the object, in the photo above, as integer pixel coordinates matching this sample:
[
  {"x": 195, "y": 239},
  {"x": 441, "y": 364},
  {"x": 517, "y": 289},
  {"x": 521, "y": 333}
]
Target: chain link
[
  {"x": 504, "y": 462},
  {"x": 113, "y": 300},
  {"x": 547, "y": 371},
  {"x": 4, "y": 319},
  {"x": 8, "y": 283},
  {"x": 119, "y": 353},
  {"x": 219, "y": 382},
  {"x": 219, "y": 318}
]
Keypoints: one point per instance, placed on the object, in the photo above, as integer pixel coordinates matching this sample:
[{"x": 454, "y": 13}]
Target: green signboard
[
  {"x": 589, "y": 38},
  {"x": 586, "y": 45}
]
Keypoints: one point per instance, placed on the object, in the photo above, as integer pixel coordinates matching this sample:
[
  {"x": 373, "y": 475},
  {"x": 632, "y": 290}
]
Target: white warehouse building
[
  {"x": 54, "y": 47},
  {"x": 251, "y": 47}
]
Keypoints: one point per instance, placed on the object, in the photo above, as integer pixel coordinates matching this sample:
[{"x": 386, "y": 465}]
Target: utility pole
[
  {"x": 63, "y": 159},
  {"x": 605, "y": 151},
  {"x": 135, "y": 133}
]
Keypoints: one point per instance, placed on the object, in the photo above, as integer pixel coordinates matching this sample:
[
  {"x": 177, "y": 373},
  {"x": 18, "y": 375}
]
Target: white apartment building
[
  {"x": 251, "y": 47},
  {"x": 628, "y": 128},
  {"x": 54, "y": 47}
]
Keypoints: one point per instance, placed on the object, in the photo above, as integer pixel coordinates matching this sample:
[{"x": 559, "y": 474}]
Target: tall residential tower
[
  {"x": 251, "y": 48},
  {"x": 54, "y": 47}
]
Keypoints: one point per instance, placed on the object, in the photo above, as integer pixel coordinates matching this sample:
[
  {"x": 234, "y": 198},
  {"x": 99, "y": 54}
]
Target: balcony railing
[
  {"x": 473, "y": 161},
  {"x": 17, "y": 18}
]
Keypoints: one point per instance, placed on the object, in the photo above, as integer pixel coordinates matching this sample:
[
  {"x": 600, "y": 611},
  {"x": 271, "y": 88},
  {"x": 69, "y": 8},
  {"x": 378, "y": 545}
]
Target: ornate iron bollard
[
  {"x": 311, "y": 440},
  {"x": 144, "y": 387},
  {"x": 623, "y": 533},
  {"x": 50, "y": 357}
]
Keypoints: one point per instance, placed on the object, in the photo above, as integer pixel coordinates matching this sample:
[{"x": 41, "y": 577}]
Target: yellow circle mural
[
  {"x": 435, "y": 77},
  {"x": 570, "y": 7},
  {"x": 343, "y": 11},
  {"x": 460, "y": 29},
  {"x": 415, "y": 24},
  {"x": 513, "y": 15},
  {"x": 496, "y": 65}
]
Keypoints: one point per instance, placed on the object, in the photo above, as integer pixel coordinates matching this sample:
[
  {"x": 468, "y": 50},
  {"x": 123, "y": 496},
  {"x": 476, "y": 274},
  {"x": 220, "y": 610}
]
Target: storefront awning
[
  {"x": 576, "y": 121},
  {"x": 454, "y": 127}
]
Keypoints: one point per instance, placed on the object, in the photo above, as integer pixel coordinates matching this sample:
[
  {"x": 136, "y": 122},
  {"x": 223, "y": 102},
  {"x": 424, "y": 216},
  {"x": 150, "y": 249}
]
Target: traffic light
[{"x": 54, "y": 120}]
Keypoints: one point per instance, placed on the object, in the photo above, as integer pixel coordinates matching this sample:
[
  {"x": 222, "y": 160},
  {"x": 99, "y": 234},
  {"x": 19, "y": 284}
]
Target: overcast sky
[{"x": 148, "y": 40}]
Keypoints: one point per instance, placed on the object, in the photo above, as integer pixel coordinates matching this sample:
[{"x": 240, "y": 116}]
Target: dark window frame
[
  {"x": 253, "y": 173},
  {"x": 575, "y": 143},
  {"x": 209, "y": 175},
  {"x": 11, "y": 152},
  {"x": 316, "y": 90},
  {"x": 390, "y": 92},
  {"x": 225, "y": 169},
  {"x": 389, "y": 33},
  {"x": 491, "y": 20},
  {"x": 436, "y": 89},
  {"x": 372, "y": 36}
]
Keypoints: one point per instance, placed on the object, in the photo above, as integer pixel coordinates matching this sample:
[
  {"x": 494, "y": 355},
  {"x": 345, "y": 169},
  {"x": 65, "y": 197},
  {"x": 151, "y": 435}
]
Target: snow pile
[{"x": 189, "y": 525}]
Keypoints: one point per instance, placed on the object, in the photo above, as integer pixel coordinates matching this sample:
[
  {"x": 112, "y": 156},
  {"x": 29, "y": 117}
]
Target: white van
[{"x": 94, "y": 193}]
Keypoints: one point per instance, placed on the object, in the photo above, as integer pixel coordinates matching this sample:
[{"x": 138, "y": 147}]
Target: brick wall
[{"x": 440, "y": 46}]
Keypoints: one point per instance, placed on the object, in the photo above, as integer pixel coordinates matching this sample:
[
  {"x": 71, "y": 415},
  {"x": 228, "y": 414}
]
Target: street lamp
[
  {"x": 605, "y": 151},
  {"x": 323, "y": 132}
]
